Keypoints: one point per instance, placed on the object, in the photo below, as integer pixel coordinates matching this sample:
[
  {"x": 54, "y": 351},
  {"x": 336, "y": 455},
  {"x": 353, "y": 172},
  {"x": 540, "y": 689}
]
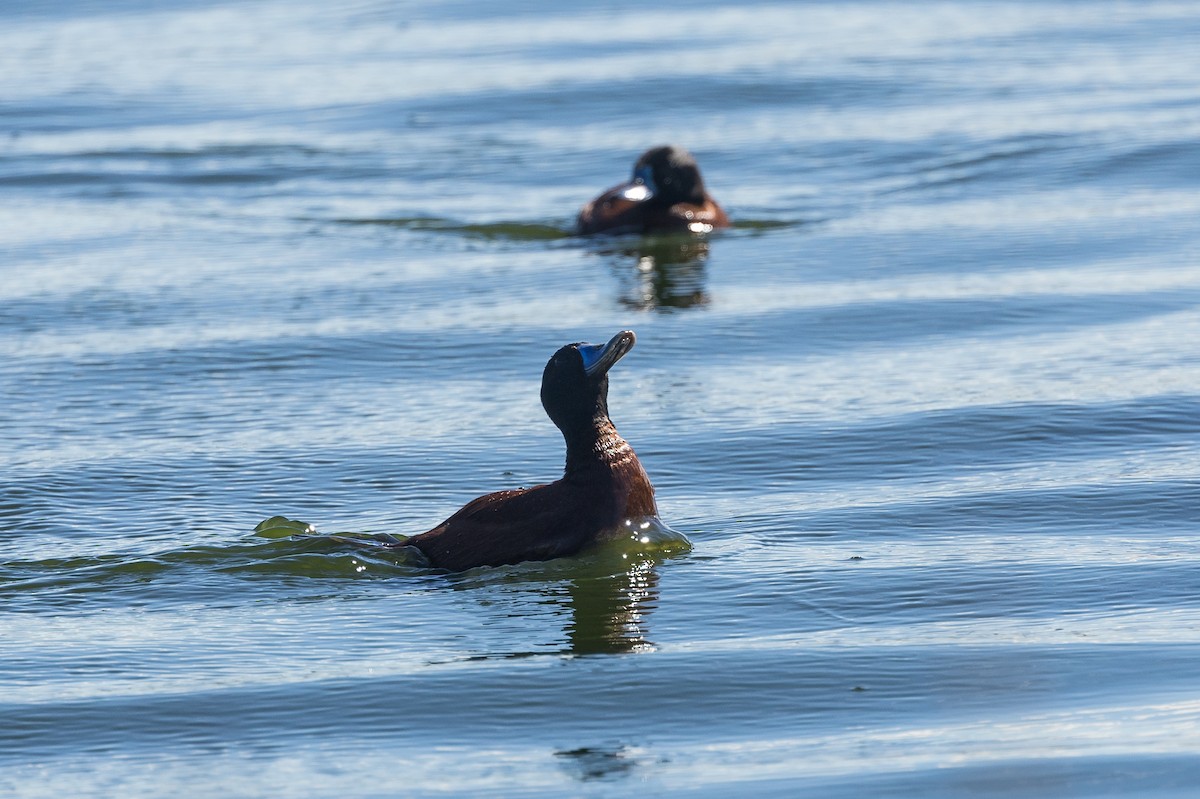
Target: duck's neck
[{"x": 599, "y": 446}]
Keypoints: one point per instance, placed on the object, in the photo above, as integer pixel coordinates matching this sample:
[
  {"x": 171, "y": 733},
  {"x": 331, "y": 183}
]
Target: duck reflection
[
  {"x": 661, "y": 272},
  {"x": 601, "y": 600},
  {"x": 609, "y": 611}
]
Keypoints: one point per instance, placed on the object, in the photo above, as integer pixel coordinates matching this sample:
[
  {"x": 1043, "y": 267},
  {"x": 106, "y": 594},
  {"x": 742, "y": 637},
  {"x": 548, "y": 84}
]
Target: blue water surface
[{"x": 929, "y": 414}]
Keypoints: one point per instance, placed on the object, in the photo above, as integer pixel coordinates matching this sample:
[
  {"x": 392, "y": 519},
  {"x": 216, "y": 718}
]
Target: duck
[
  {"x": 665, "y": 195},
  {"x": 603, "y": 485}
]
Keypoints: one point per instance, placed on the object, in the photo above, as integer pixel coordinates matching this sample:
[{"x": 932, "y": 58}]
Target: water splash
[
  {"x": 283, "y": 527},
  {"x": 647, "y": 538}
]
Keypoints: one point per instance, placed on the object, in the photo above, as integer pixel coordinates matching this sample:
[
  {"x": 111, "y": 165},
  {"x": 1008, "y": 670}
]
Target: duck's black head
[
  {"x": 575, "y": 383},
  {"x": 666, "y": 176}
]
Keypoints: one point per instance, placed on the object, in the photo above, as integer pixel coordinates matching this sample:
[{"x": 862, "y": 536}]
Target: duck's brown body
[
  {"x": 665, "y": 195},
  {"x": 612, "y": 213},
  {"x": 545, "y": 521},
  {"x": 603, "y": 484}
]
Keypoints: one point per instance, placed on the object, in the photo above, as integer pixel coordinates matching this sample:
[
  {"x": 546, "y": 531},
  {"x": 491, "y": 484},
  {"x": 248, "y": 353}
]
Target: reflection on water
[
  {"x": 661, "y": 272},
  {"x": 609, "y": 612},
  {"x": 614, "y": 588}
]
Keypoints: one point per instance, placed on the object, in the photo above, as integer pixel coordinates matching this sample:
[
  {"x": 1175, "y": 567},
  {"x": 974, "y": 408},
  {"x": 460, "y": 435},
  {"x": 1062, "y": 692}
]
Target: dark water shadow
[
  {"x": 601, "y": 763},
  {"x": 517, "y": 231},
  {"x": 491, "y": 231},
  {"x": 296, "y": 553}
]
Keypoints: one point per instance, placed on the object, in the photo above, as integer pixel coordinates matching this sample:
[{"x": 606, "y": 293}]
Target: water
[{"x": 929, "y": 415}]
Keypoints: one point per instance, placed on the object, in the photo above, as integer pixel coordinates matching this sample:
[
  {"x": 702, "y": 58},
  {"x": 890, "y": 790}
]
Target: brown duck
[
  {"x": 665, "y": 195},
  {"x": 603, "y": 484}
]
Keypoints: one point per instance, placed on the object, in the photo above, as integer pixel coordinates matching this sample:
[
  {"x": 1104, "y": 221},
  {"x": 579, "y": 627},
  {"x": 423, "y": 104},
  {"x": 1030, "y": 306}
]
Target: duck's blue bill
[{"x": 591, "y": 354}]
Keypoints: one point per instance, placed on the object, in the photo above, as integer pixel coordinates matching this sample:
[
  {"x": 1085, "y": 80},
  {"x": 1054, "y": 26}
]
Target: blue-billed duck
[
  {"x": 603, "y": 484},
  {"x": 665, "y": 195}
]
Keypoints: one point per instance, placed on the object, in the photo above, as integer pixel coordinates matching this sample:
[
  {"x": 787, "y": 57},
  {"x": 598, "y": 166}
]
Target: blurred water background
[{"x": 930, "y": 414}]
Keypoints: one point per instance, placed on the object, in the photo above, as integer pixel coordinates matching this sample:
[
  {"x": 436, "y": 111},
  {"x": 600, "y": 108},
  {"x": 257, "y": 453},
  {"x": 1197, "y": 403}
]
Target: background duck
[
  {"x": 603, "y": 483},
  {"x": 665, "y": 195}
]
